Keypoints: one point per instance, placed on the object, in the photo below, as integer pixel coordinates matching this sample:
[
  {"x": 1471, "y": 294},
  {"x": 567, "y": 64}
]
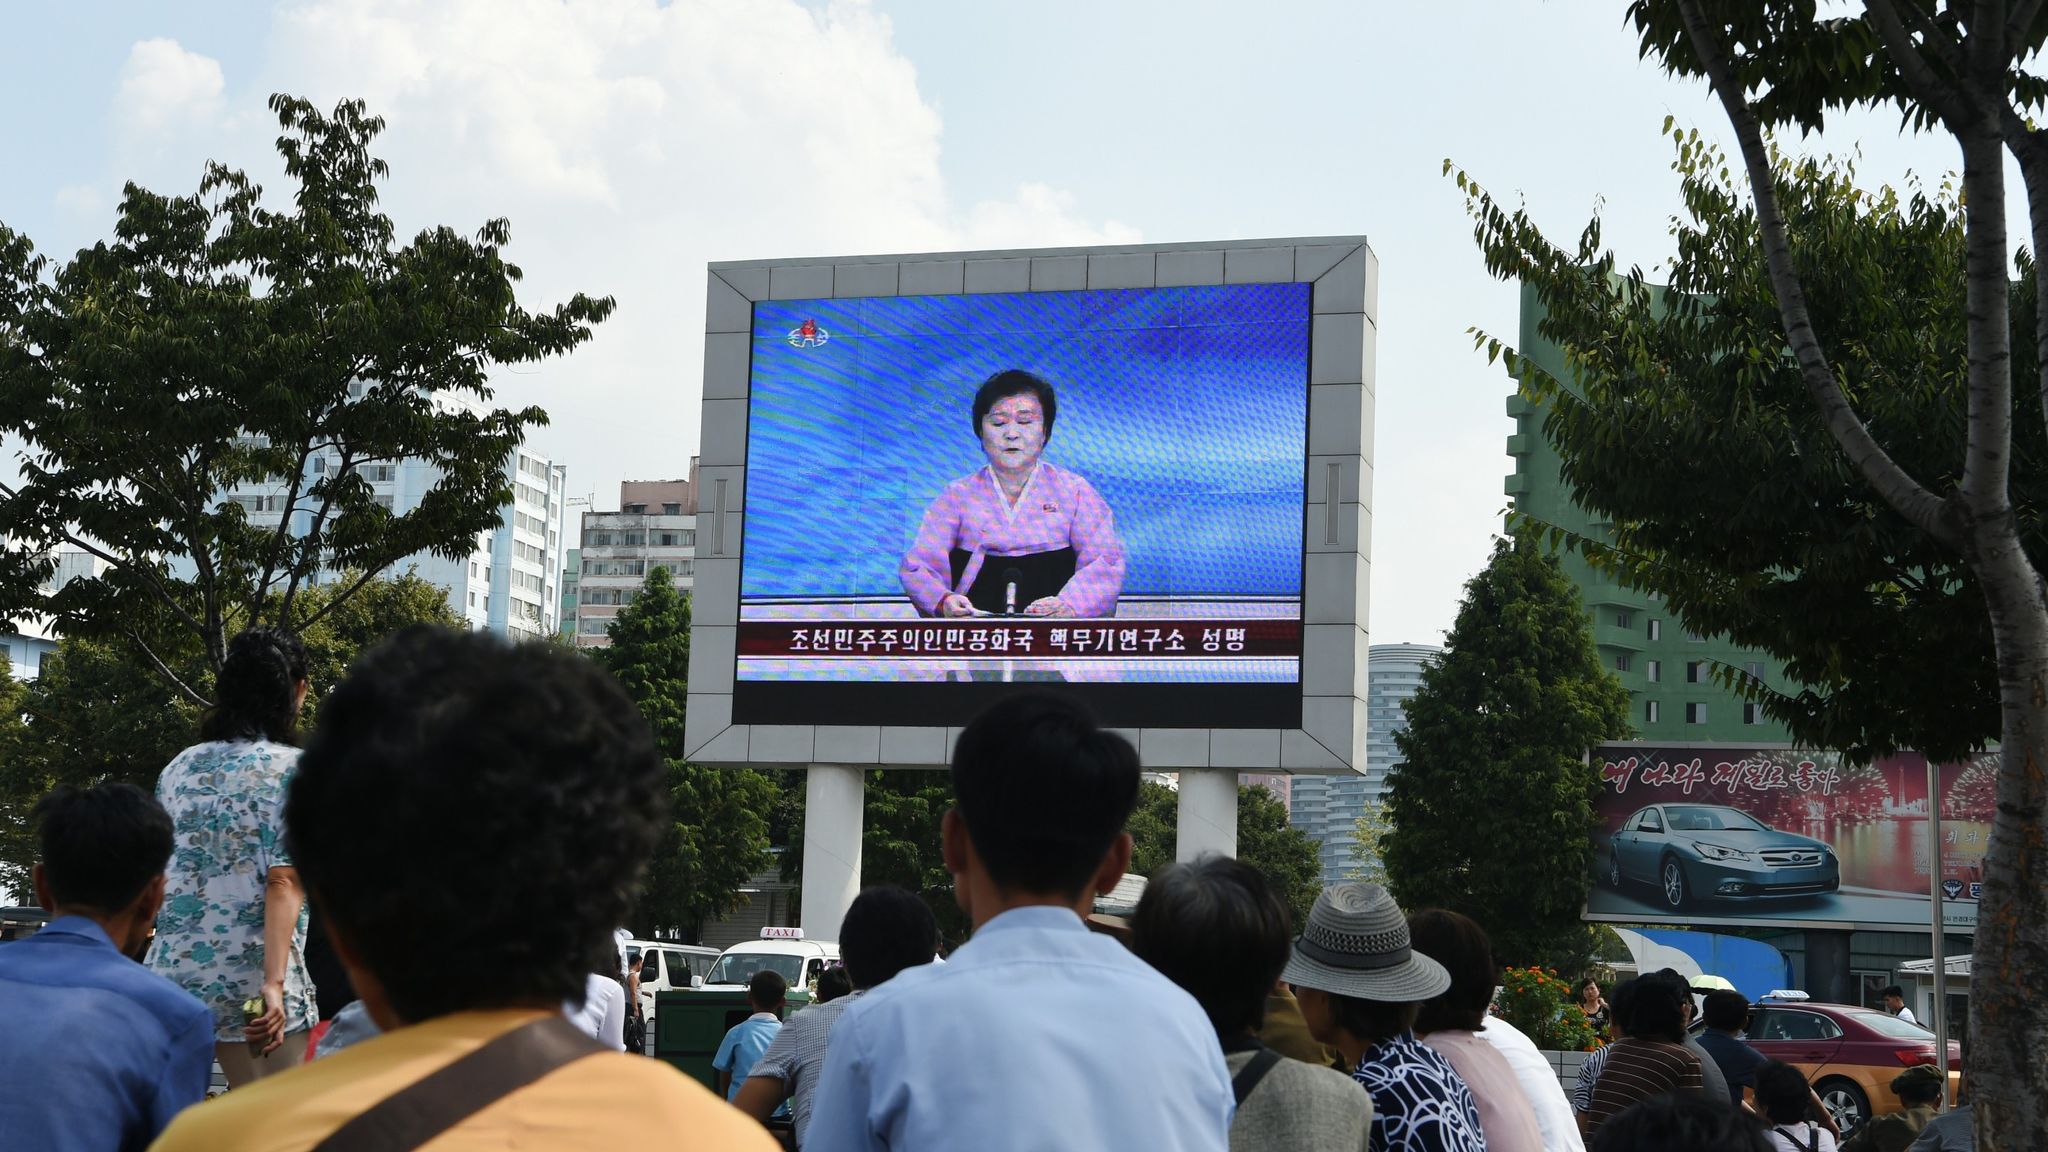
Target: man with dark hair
[
  {"x": 1895, "y": 1003},
  {"x": 456, "y": 784},
  {"x": 1711, "y": 1079},
  {"x": 1726, "y": 1013},
  {"x": 1649, "y": 1060},
  {"x": 745, "y": 1041},
  {"x": 886, "y": 930},
  {"x": 1216, "y": 928},
  {"x": 96, "y": 1052},
  {"x": 1036, "y": 1033},
  {"x": 1683, "y": 1124}
]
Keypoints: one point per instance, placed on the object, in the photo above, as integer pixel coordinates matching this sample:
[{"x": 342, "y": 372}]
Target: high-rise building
[
  {"x": 655, "y": 527},
  {"x": 1328, "y": 808},
  {"x": 1668, "y": 670},
  {"x": 27, "y": 640},
  {"x": 508, "y": 583},
  {"x": 572, "y": 579}
]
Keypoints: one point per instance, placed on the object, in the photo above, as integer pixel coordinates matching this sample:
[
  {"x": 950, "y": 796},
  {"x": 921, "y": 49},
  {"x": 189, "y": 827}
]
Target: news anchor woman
[{"x": 1021, "y": 536}]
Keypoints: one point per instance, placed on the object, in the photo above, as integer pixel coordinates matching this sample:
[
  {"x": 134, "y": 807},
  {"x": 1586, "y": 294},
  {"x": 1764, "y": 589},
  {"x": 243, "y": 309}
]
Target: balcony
[
  {"x": 1519, "y": 444},
  {"x": 1519, "y": 405},
  {"x": 1517, "y": 484},
  {"x": 1615, "y": 636}
]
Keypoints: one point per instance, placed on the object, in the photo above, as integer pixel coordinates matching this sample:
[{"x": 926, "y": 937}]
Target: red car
[{"x": 1849, "y": 1054}]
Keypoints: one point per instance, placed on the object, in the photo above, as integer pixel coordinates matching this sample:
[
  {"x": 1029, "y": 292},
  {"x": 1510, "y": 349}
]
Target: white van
[
  {"x": 666, "y": 966},
  {"x": 785, "y": 950}
]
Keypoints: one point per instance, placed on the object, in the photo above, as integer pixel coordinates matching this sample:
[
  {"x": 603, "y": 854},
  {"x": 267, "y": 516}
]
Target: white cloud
[
  {"x": 166, "y": 86},
  {"x": 631, "y": 141},
  {"x": 80, "y": 201}
]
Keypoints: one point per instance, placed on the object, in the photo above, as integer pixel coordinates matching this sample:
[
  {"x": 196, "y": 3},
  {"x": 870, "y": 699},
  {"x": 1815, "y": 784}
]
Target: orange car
[{"x": 1849, "y": 1054}]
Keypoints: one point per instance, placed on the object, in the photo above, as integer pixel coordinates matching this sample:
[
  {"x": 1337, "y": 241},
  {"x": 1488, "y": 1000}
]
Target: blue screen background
[{"x": 1186, "y": 408}]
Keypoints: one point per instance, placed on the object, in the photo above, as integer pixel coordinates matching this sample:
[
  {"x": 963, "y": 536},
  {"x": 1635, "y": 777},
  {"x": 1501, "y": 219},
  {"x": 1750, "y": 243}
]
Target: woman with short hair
[
  {"x": 1450, "y": 1022},
  {"x": 1784, "y": 1097},
  {"x": 1216, "y": 928}
]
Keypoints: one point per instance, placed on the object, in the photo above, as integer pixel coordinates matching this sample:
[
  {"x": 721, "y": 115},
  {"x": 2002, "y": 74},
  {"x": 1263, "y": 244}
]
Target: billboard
[
  {"x": 1135, "y": 475},
  {"x": 1782, "y": 837}
]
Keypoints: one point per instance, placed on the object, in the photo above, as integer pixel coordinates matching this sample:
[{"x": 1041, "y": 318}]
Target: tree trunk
[{"x": 2008, "y": 1060}]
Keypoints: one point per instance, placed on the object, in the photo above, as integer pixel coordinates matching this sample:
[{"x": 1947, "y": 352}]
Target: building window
[
  {"x": 379, "y": 473},
  {"x": 1752, "y": 713},
  {"x": 1692, "y": 637},
  {"x": 671, "y": 509},
  {"x": 319, "y": 465},
  {"x": 1693, "y": 669},
  {"x": 472, "y": 569},
  {"x": 636, "y": 509},
  {"x": 384, "y": 501},
  {"x": 1624, "y": 619},
  {"x": 472, "y": 604},
  {"x": 1755, "y": 670},
  {"x": 1653, "y": 670},
  {"x": 1621, "y": 662},
  {"x": 1649, "y": 711},
  {"x": 1696, "y": 713},
  {"x": 1656, "y": 629}
]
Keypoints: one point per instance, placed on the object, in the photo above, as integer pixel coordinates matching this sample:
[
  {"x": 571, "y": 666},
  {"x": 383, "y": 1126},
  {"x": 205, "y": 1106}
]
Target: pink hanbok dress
[{"x": 1059, "y": 539}]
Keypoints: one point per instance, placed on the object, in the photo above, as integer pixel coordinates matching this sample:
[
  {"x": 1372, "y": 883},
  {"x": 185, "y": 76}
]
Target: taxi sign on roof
[{"x": 772, "y": 933}]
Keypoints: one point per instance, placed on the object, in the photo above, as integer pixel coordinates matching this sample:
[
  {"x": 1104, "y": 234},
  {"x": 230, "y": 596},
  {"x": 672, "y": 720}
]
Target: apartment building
[{"x": 655, "y": 527}]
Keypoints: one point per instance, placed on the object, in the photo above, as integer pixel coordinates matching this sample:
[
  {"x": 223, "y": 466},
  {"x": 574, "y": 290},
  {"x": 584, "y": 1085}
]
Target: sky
[{"x": 629, "y": 142}]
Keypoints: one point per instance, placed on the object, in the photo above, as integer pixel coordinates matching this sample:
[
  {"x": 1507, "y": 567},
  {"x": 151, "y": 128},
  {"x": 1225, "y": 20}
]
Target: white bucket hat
[{"x": 1356, "y": 944}]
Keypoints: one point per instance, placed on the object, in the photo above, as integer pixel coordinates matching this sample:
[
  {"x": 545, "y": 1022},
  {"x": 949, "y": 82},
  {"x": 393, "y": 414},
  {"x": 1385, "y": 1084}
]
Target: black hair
[
  {"x": 1459, "y": 944},
  {"x": 101, "y": 846},
  {"x": 1621, "y": 1006},
  {"x": 1725, "y": 1010},
  {"x": 833, "y": 983},
  {"x": 1015, "y": 382},
  {"x": 1914, "y": 1089},
  {"x": 886, "y": 929},
  {"x": 1371, "y": 1020},
  {"x": 1216, "y": 928},
  {"x": 1892, "y": 990},
  {"x": 1681, "y": 1123},
  {"x": 1656, "y": 1011},
  {"x": 767, "y": 989},
  {"x": 254, "y": 696},
  {"x": 443, "y": 764},
  {"x": 1782, "y": 1094},
  {"x": 1043, "y": 791}
]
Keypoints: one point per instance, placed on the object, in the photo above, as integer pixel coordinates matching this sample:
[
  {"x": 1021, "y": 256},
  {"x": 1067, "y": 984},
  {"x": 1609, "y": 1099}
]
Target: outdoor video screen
[
  {"x": 1098, "y": 492},
  {"x": 1777, "y": 837}
]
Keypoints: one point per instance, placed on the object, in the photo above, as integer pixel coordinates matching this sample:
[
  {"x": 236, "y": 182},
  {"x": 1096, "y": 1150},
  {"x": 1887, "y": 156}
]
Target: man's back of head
[
  {"x": 463, "y": 792},
  {"x": 767, "y": 990},
  {"x": 100, "y": 849},
  {"x": 886, "y": 929},
  {"x": 1044, "y": 794}
]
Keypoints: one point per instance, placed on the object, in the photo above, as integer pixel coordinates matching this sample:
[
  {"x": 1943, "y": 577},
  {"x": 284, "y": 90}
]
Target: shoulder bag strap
[
  {"x": 1248, "y": 1077},
  {"x": 426, "y": 1108}
]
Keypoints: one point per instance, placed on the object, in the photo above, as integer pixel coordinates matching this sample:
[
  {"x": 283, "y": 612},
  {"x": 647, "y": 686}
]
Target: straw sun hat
[{"x": 1356, "y": 944}]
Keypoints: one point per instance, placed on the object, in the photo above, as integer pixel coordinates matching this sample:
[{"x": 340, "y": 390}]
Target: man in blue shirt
[
  {"x": 98, "y": 1052},
  {"x": 1726, "y": 1012},
  {"x": 744, "y": 1044},
  {"x": 1036, "y": 1033}
]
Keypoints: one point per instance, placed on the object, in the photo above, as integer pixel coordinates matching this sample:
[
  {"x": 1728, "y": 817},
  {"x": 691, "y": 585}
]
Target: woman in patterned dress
[{"x": 233, "y": 925}]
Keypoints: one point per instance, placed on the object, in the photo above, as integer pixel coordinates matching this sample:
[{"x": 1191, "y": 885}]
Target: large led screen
[
  {"x": 1098, "y": 491},
  {"x": 1780, "y": 837}
]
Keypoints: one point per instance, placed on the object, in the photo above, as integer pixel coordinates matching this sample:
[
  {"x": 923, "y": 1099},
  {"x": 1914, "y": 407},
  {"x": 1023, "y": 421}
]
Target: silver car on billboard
[{"x": 1692, "y": 852}]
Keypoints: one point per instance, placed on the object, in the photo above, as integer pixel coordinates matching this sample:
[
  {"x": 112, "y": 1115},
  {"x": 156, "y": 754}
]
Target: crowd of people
[{"x": 455, "y": 782}]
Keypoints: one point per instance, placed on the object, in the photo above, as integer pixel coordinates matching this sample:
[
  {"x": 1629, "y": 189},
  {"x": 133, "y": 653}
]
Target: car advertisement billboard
[
  {"x": 1719, "y": 835},
  {"x": 950, "y": 495}
]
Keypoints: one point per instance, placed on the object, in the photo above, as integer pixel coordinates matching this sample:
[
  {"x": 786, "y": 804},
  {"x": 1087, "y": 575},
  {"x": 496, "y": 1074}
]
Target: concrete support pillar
[
  {"x": 832, "y": 830},
  {"x": 1208, "y": 813},
  {"x": 1827, "y": 966}
]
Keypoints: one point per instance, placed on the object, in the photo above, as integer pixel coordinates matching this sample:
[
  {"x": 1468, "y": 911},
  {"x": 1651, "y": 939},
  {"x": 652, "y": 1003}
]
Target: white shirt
[
  {"x": 602, "y": 1014},
  {"x": 1539, "y": 1083},
  {"x": 1906, "y": 1014},
  {"x": 1800, "y": 1137}
]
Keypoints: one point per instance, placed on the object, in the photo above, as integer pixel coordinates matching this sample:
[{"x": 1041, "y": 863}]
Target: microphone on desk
[{"x": 1011, "y": 578}]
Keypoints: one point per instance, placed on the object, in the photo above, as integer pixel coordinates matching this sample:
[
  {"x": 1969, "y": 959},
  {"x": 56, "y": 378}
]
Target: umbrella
[{"x": 1711, "y": 984}]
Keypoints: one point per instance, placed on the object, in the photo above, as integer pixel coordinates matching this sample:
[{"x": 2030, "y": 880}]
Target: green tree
[
  {"x": 1962, "y": 67},
  {"x": 718, "y": 837},
  {"x": 901, "y": 810},
  {"x": 1369, "y": 832},
  {"x": 1497, "y": 742},
  {"x": 1286, "y": 856},
  {"x": 98, "y": 714},
  {"x": 216, "y": 342}
]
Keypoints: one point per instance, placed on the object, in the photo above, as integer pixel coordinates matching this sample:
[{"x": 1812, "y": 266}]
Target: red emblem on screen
[{"x": 808, "y": 335}]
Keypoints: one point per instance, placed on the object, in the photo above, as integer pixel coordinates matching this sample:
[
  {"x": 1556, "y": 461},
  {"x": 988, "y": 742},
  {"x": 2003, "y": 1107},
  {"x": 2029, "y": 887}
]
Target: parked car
[
  {"x": 1696, "y": 851},
  {"x": 665, "y": 967},
  {"x": 1849, "y": 1054},
  {"x": 22, "y": 922}
]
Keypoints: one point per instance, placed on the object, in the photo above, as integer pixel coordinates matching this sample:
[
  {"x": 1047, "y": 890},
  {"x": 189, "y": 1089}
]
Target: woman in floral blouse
[{"x": 233, "y": 925}]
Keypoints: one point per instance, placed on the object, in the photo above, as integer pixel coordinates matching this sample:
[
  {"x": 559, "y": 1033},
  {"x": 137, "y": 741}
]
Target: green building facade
[{"x": 1667, "y": 670}]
